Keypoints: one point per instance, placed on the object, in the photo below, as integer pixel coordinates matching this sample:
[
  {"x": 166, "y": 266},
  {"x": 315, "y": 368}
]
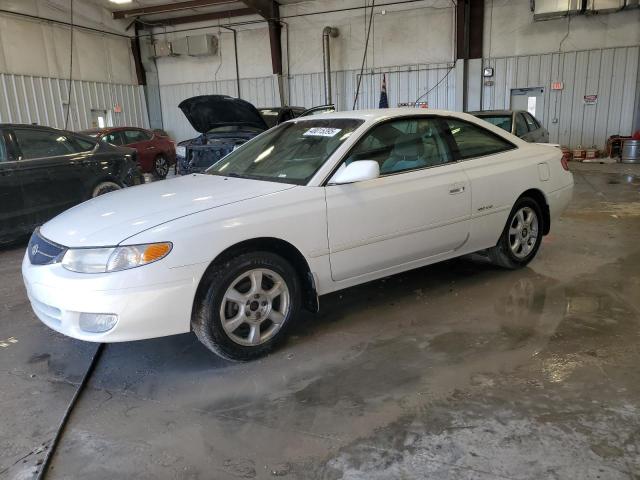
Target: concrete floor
[{"x": 458, "y": 370}]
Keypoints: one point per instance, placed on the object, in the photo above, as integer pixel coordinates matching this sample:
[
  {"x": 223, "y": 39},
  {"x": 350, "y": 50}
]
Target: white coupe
[{"x": 312, "y": 206}]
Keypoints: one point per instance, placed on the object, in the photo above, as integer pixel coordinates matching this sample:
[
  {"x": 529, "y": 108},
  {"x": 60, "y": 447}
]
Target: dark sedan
[
  {"x": 518, "y": 122},
  {"x": 44, "y": 171}
]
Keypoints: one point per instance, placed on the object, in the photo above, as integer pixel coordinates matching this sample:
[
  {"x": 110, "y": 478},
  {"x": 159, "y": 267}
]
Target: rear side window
[
  {"x": 84, "y": 144},
  {"x": 502, "y": 121},
  {"x": 521, "y": 125},
  {"x": 474, "y": 141},
  {"x": 42, "y": 143},
  {"x": 3, "y": 149},
  {"x": 135, "y": 136},
  {"x": 531, "y": 121},
  {"x": 113, "y": 138}
]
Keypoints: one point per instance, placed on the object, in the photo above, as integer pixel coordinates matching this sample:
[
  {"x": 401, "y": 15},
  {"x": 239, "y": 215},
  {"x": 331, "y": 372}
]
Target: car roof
[
  {"x": 382, "y": 113},
  {"x": 30, "y": 125},
  {"x": 495, "y": 112}
]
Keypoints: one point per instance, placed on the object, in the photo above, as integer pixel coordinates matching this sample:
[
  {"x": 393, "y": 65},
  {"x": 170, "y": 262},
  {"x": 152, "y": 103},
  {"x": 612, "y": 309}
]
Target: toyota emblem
[{"x": 34, "y": 250}]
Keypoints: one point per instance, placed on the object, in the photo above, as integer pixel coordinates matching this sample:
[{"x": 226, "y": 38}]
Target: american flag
[{"x": 384, "y": 101}]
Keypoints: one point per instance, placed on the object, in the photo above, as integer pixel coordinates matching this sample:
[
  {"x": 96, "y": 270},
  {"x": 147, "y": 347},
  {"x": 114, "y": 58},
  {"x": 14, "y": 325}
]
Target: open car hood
[{"x": 205, "y": 112}]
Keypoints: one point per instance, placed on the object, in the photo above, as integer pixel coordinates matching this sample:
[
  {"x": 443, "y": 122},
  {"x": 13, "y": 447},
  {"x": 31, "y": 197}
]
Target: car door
[
  {"x": 141, "y": 141},
  {"x": 497, "y": 173},
  {"x": 13, "y": 218},
  {"x": 418, "y": 208},
  {"x": 50, "y": 167}
]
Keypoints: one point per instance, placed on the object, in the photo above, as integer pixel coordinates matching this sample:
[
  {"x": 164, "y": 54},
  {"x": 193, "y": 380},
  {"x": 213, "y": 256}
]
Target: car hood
[
  {"x": 112, "y": 218},
  {"x": 205, "y": 112}
]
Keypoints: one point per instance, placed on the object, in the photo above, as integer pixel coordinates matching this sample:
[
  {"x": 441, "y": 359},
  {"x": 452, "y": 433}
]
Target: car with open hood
[
  {"x": 311, "y": 206},
  {"x": 224, "y": 124}
]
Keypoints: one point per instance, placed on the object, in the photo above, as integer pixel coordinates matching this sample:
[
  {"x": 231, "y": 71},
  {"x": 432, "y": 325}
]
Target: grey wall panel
[
  {"x": 611, "y": 73},
  {"x": 42, "y": 100}
]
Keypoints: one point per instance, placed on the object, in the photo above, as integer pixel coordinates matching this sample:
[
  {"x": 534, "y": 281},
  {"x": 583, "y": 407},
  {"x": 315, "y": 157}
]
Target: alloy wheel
[
  {"x": 523, "y": 232},
  {"x": 255, "y": 306}
]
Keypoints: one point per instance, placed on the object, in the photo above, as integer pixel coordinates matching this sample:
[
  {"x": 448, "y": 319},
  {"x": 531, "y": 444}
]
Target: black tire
[
  {"x": 160, "y": 167},
  {"x": 206, "y": 320},
  {"x": 105, "y": 187},
  {"x": 502, "y": 254}
]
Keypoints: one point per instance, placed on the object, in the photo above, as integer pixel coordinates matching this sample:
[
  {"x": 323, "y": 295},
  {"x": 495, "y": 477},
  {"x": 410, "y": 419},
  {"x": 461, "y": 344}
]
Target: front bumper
[{"x": 150, "y": 301}]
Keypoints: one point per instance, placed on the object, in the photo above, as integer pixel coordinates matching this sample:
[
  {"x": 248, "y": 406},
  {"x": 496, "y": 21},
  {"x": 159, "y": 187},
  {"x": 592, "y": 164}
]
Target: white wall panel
[
  {"x": 610, "y": 73},
  {"x": 42, "y": 100}
]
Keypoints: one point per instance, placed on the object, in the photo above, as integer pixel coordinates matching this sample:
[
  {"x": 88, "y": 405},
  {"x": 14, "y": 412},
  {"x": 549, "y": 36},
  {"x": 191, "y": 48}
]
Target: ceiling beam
[
  {"x": 203, "y": 17},
  {"x": 267, "y": 9},
  {"x": 169, "y": 7}
]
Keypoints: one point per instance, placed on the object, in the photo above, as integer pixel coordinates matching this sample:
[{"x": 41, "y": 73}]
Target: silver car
[{"x": 518, "y": 122}]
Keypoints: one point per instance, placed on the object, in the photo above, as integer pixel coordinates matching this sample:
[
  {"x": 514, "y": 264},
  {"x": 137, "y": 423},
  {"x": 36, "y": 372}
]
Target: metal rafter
[
  {"x": 201, "y": 17},
  {"x": 167, "y": 8},
  {"x": 267, "y": 9}
]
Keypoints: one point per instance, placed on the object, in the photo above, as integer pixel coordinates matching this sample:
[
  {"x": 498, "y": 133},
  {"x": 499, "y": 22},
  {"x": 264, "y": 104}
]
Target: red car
[{"x": 156, "y": 152}]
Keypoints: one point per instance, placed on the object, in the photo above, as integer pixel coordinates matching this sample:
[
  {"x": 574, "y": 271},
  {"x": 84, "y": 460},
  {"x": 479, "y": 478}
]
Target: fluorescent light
[{"x": 120, "y": 2}]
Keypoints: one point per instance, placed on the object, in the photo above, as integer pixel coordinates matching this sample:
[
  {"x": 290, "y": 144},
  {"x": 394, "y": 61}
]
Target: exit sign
[{"x": 557, "y": 85}]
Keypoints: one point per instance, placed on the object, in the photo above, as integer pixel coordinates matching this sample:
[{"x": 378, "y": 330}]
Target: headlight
[
  {"x": 101, "y": 260},
  {"x": 181, "y": 151}
]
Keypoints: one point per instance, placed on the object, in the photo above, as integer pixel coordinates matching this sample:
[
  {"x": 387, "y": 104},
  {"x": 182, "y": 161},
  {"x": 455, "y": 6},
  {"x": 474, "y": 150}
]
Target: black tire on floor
[
  {"x": 502, "y": 254},
  {"x": 206, "y": 320},
  {"x": 105, "y": 187}
]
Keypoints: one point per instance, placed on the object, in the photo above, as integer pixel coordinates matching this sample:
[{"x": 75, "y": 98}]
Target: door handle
[{"x": 456, "y": 189}]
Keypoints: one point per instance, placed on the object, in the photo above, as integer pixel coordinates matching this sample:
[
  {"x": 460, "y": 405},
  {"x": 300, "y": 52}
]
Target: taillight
[{"x": 564, "y": 162}]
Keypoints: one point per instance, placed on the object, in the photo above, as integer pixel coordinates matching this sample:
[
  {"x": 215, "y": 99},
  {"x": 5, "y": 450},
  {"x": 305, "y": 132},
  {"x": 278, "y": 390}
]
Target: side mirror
[{"x": 357, "y": 171}]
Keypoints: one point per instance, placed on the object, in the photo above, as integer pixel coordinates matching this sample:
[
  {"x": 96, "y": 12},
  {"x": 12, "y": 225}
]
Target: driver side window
[{"x": 403, "y": 145}]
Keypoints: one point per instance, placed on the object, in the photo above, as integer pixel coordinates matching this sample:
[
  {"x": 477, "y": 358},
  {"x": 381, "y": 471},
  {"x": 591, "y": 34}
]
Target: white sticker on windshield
[{"x": 321, "y": 132}]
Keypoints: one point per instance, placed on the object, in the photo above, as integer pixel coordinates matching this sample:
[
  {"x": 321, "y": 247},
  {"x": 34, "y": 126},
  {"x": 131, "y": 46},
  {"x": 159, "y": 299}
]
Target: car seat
[{"x": 407, "y": 154}]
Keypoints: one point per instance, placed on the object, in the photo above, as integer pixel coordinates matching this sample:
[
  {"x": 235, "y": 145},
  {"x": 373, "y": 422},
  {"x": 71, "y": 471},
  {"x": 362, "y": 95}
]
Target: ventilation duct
[
  {"x": 327, "y": 32},
  {"x": 549, "y": 9}
]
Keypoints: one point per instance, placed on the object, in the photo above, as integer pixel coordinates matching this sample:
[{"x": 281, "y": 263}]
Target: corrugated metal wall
[
  {"x": 42, "y": 100},
  {"x": 404, "y": 84},
  {"x": 609, "y": 73}
]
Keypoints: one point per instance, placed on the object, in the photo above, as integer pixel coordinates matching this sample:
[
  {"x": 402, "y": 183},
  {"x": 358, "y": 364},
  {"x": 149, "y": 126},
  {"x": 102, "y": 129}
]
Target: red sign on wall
[{"x": 557, "y": 85}]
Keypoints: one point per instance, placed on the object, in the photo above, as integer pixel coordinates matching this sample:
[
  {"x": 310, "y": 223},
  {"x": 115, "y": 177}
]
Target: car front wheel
[
  {"x": 246, "y": 306},
  {"x": 521, "y": 237}
]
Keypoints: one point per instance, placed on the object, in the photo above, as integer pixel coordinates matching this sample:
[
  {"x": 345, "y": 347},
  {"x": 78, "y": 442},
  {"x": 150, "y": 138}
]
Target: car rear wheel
[
  {"x": 521, "y": 237},
  {"x": 247, "y": 305},
  {"x": 160, "y": 167},
  {"x": 105, "y": 187}
]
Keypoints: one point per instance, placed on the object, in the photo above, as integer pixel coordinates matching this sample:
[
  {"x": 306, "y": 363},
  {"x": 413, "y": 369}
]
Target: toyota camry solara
[{"x": 312, "y": 206}]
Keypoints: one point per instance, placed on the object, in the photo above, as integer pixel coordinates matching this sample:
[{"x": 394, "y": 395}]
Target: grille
[{"x": 42, "y": 251}]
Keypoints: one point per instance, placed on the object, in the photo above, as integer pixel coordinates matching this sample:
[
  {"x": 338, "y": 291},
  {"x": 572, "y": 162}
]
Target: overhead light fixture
[{"x": 120, "y": 2}]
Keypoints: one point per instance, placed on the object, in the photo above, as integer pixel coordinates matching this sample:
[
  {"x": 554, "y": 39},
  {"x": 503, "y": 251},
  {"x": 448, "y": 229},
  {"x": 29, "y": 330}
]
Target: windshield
[
  {"x": 235, "y": 128},
  {"x": 502, "y": 121},
  {"x": 289, "y": 153}
]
